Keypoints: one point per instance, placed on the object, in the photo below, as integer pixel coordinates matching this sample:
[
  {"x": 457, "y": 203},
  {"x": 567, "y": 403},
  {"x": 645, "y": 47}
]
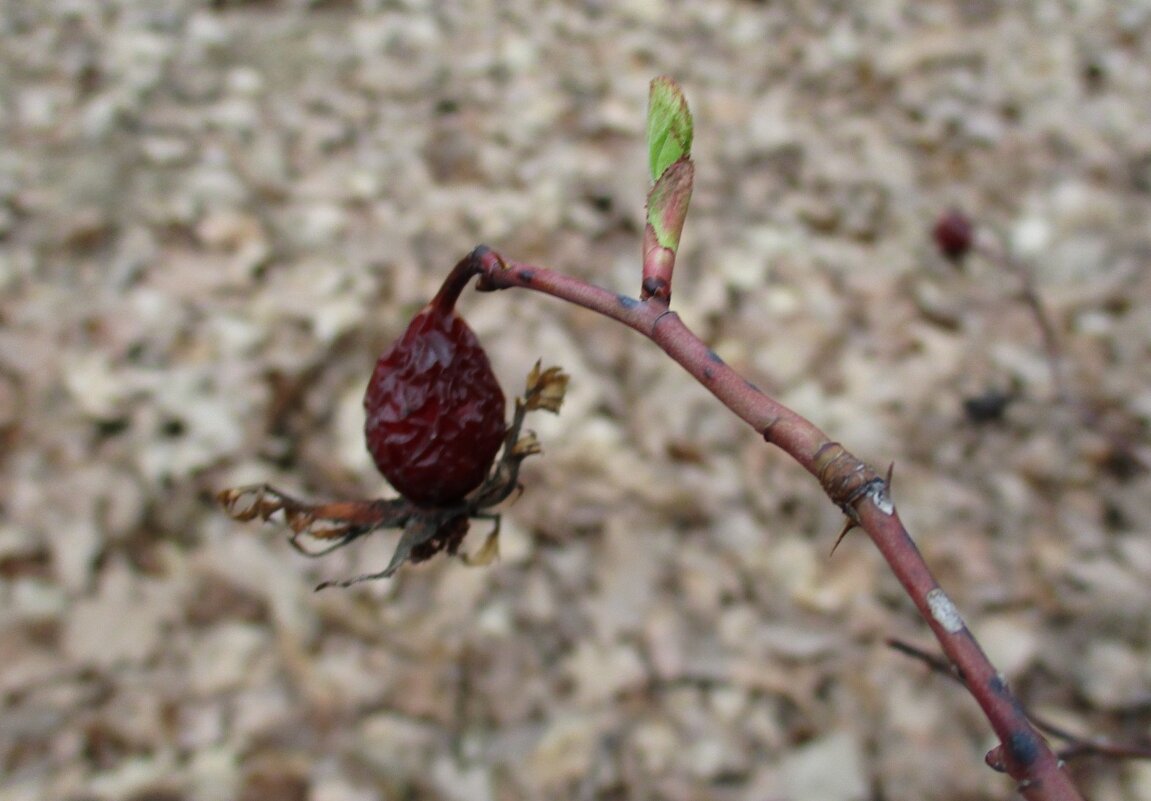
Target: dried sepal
[
  {"x": 545, "y": 389},
  {"x": 488, "y": 552},
  {"x": 527, "y": 445},
  {"x": 248, "y": 503},
  {"x": 418, "y": 531},
  {"x": 337, "y": 523}
]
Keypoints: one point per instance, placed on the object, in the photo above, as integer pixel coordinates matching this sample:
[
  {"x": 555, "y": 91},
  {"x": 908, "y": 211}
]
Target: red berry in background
[
  {"x": 435, "y": 412},
  {"x": 954, "y": 235}
]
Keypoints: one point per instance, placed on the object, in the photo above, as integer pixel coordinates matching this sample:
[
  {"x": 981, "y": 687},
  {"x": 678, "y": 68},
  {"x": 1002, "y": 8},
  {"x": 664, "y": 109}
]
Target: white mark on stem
[
  {"x": 944, "y": 611},
  {"x": 880, "y": 499}
]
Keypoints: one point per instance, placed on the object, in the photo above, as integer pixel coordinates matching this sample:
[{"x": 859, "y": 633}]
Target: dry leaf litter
[{"x": 213, "y": 216}]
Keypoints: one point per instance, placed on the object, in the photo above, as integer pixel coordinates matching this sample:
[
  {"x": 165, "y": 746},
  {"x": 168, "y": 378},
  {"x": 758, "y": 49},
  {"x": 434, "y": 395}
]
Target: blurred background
[{"x": 214, "y": 216}]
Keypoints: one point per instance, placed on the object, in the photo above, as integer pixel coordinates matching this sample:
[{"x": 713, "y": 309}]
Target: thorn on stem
[
  {"x": 848, "y": 525},
  {"x": 994, "y": 759}
]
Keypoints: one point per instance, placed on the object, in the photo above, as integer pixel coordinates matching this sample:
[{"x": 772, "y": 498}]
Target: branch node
[
  {"x": 489, "y": 261},
  {"x": 765, "y": 432},
  {"x": 846, "y": 480},
  {"x": 655, "y": 287},
  {"x": 662, "y": 314}
]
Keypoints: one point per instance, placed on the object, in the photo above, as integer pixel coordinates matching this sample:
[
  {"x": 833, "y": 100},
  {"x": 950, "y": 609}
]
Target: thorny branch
[{"x": 852, "y": 485}]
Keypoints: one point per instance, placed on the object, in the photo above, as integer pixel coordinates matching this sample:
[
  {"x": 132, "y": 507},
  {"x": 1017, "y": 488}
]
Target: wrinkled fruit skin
[{"x": 435, "y": 412}]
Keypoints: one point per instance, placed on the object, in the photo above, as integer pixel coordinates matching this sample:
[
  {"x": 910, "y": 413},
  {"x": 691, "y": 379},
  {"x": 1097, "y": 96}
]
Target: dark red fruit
[
  {"x": 435, "y": 412},
  {"x": 954, "y": 235}
]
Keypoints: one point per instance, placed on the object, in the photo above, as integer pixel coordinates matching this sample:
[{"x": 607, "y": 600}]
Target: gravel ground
[{"x": 214, "y": 215}]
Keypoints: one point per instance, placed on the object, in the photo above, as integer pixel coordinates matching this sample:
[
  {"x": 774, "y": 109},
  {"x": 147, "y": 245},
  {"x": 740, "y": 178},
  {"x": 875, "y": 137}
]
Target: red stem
[
  {"x": 658, "y": 265},
  {"x": 453, "y": 285},
  {"x": 852, "y": 485}
]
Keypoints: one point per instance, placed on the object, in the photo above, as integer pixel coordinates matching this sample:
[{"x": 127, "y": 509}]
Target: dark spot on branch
[
  {"x": 626, "y": 302},
  {"x": 526, "y": 276},
  {"x": 715, "y": 357},
  {"x": 708, "y": 373},
  {"x": 1024, "y": 747},
  {"x": 998, "y": 686}
]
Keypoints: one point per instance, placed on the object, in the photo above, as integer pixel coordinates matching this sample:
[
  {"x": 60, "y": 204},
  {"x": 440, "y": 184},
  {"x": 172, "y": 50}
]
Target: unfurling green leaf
[
  {"x": 669, "y": 126},
  {"x": 667, "y": 204}
]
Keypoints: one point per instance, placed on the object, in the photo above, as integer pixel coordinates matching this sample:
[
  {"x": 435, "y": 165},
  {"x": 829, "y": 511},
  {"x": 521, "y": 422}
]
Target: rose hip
[
  {"x": 435, "y": 412},
  {"x": 954, "y": 235}
]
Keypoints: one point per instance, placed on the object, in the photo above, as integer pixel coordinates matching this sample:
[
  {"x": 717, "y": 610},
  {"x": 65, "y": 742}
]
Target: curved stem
[
  {"x": 453, "y": 285},
  {"x": 850, "y": 483}
]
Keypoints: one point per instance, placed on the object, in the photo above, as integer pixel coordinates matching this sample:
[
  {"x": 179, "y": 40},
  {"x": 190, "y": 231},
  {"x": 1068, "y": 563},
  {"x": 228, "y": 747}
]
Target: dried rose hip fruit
[
  {"x": 954, "y": 235},
  {"x": 435, "y": 412}
]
